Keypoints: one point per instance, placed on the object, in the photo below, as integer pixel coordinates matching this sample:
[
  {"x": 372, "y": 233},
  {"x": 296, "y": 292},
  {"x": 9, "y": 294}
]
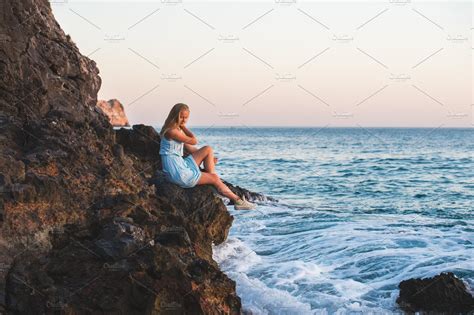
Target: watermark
[
  {"x": 168, "y": 307},
  {"x": 4, "y": 267},
  {"x": 399, "y": 2},
  {"x": 257, "y": 57},
  {"x": 427, "y": 18},
  {"x": 228, "y": 38},
  {"x": 255, "y": 20},
  {"x": 285, "y": 77},
  {"x": 207, "y": 52},
  {"x": 143, "y": 19},
  {"x": 372, "y": 18},
  {"x": 58, "y": 2},
  {"x": 454, "y": 115},
  {"x": 170, "y": 77},
  {"x": 56, "y": 304},
  {"x": 199, "y": 19},
  {"x": 285, "y": 2},
  {"x": 173, "y": 229},
  {"x": 56, "y": 231},
  {"x": 314, "y": 95},
  {"x": 113, "y": 266},
  {"x": 113, "y": 37},
  {"x": 371, "y": 95},
  {"x": 399, "y": 77},
  {"x": 372, "y": 57},
  {"x": 171, "y": 2},
  {"x": 227, "y": 115},
  {"x": 312, "y": 58},
  {"x": 342, "y": 38},
  {"x": 314, "y": 19},
  {"x": 4, "y": 38},
  {"x": 264, "y": 91},
  {"x": 144, "y": 58},
  {"x": 457, "y": 38},
  {"x": 342, "y": 115},
  {"x": 85, "y": 19}
]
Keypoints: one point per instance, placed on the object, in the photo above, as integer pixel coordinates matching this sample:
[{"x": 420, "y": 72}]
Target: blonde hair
[{"x": 172, "y": 121}]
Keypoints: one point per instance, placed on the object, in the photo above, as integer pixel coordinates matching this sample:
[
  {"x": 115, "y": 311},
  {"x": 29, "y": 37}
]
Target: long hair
[{"x": 172, "y": 121}]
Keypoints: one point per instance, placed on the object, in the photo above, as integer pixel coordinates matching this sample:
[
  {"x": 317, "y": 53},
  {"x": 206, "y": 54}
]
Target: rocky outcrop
[
  {"x": 114, "y": 110},
  {"x": 442, "y": 294},
  {"x": 249, "y": 195},
  {"x": 85, "y": 225}
]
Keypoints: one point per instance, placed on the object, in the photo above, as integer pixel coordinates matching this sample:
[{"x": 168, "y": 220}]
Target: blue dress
[{"x": 181, "y": 171}]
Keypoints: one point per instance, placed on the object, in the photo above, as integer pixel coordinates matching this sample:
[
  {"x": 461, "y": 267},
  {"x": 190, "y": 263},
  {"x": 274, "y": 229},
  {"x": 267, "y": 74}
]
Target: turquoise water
[{"x": 359, "y": 211}]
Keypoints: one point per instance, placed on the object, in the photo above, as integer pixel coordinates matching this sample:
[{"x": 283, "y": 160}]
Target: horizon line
[{"x": 313, "y": 126}]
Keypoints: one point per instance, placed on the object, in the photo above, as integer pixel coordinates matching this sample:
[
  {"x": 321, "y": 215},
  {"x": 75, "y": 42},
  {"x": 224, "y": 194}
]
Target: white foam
[
  {"x": 258, "y": 298},
  {"x": 352, "y": 266},
  {"x": 234, "y": 255},
  {"x": 293, "y": 271}
]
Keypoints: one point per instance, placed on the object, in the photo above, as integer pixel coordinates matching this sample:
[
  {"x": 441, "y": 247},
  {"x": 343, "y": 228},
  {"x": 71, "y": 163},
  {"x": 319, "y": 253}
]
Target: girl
[{"x": 185, "y": 172}]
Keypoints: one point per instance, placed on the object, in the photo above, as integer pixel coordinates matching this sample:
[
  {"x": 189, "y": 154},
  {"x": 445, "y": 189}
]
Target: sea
[{"x": 359, "y": 210}]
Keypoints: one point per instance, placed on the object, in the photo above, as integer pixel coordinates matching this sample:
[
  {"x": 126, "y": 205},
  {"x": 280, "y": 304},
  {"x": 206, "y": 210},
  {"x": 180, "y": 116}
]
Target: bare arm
[
  {"x": 185, "y": 137},
  {"x": 187, "y": 131}
]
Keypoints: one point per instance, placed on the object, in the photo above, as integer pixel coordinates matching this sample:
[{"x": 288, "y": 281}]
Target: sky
[{"x": 397, "y": 63}]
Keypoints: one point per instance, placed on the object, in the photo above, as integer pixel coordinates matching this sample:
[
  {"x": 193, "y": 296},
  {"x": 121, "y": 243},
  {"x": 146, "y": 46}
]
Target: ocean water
[{"x": 359, "y": 211}]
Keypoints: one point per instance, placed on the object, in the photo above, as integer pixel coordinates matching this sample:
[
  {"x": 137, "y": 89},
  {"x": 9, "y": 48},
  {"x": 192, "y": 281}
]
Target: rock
[
  {"x": 114, "y": 110},
  {"x": 249, "y": 195},
  {"x": 204, "y": 216},
  {"x": 118, "y": 151},
  {"x": 174, "y": 235},
  {"x": 444, "y": 293},
  {"x": 143, "y": 143},
  {"x": 119, "y": 239},
  {"x": 80, "y": 209}
]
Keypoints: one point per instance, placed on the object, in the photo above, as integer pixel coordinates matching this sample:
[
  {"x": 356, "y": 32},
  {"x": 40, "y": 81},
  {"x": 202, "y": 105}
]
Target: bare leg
[
  {"x": 206, "y": 154},
  {"x": 209, "y": 163},
  {"x": 213, "y": 179},
  {"x": 223, "y": 189}
]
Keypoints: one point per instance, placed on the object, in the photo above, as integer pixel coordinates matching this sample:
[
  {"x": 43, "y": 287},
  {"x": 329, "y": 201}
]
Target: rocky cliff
[
  {"x": 114, "y": 110},
  {"x": 85, "y": 226}
]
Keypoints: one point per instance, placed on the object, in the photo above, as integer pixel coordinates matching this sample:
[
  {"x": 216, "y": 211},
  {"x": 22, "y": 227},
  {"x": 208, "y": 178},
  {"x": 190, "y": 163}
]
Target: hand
[{"x": 215, "y": 160}]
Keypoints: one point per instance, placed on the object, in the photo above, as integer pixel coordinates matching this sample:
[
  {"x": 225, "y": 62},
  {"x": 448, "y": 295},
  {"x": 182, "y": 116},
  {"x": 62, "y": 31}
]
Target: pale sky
[{"x": 396, "y": 63}]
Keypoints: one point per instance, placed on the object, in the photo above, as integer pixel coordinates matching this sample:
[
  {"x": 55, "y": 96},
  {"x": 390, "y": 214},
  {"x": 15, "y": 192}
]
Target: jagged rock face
[
  {"x": 83, "y": 228},
  {"x": 151, "y": 261},
  {"x": 444, "y": 293},
  {"x": 114, "y": 110}
]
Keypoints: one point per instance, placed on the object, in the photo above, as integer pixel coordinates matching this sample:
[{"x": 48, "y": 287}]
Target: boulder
[
  {"x": 444, "y": 293},
  {"x": 114, "y": 110}
]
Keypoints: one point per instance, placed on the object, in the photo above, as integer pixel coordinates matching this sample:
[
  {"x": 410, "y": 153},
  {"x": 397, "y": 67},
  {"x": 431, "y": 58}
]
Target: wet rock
[
  {"x": 249, "y": 195},
  {"x": 444, "y": 293}
]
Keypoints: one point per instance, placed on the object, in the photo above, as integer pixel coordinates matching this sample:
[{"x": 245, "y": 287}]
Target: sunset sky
[{"x": 393, "y": 63}]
